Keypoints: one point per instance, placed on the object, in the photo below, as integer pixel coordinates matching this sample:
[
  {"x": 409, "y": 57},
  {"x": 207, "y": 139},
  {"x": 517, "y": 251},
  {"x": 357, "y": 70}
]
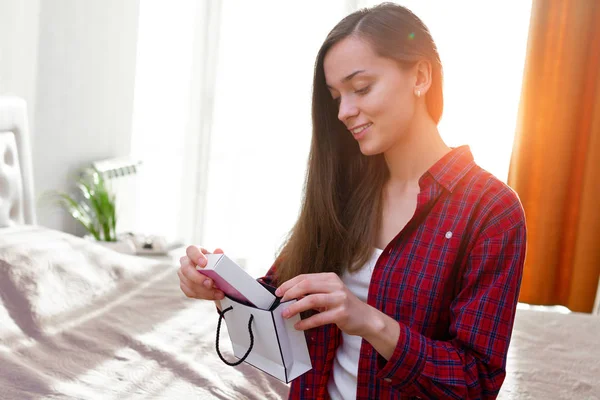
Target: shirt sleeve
[{"x": 472, "y": 364}]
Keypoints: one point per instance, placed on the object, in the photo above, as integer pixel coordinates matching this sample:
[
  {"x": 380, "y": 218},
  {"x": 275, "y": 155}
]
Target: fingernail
[
  {"x": 278, "y": 292},
  {"x": 285, "y": 313},
  {"x": 219, "y": 296},
  {"x": 207, "y": 283},
  {"x": 202, "y": 262}
]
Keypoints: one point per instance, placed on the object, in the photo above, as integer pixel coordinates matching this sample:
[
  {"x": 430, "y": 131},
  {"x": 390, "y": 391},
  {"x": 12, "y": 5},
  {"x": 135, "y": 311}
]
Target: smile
[{"x": 359, "y": 129}]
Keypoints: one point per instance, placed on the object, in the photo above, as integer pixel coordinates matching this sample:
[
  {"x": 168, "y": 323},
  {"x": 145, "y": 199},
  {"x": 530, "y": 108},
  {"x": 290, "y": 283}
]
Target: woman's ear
[{"x": 423, "y": 77}]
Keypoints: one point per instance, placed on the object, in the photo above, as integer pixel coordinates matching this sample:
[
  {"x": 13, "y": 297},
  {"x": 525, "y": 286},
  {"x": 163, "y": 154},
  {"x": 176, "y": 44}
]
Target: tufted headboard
[{"x": 16, "y": 174}]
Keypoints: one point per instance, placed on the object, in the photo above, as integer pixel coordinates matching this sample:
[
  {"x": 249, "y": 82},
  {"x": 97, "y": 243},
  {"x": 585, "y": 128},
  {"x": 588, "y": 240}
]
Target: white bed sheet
[
  {"x": 78, "y": 321},
  {"x": 553, "y": 356},
  {"x": 135, "y": 336}
]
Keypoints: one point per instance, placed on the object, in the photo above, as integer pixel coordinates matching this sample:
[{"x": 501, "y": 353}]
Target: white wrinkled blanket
[{"x": 78, "y": 321}]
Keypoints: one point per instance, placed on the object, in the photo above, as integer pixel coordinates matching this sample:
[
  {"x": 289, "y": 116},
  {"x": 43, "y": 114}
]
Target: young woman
[{"x": 407, "y": 255}]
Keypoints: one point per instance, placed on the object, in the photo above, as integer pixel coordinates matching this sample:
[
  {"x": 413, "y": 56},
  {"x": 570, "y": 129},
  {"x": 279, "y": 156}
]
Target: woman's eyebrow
[{"x": 352, "y": 75}]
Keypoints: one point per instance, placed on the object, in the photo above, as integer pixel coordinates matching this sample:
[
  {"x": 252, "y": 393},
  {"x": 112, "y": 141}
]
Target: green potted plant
[{"x": 94, "y": 208}]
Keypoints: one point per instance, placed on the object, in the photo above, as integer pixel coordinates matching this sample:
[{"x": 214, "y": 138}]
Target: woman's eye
[
  {"x": 364, "y": 90},
  {"x": 361, "y": 92}
]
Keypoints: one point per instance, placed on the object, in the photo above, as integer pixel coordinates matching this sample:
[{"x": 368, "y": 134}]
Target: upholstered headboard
[{"x": 16, "y": 175}]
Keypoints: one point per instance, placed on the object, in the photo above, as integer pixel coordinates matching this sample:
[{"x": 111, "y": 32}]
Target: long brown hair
[{"x": 342, "y": 205}]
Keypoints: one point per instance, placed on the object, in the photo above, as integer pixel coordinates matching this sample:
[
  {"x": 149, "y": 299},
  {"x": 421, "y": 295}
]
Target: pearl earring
[{"x": 418, "y": 93}]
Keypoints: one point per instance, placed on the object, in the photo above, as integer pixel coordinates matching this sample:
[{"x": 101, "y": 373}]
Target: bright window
[{"x": 260, "y": 124}]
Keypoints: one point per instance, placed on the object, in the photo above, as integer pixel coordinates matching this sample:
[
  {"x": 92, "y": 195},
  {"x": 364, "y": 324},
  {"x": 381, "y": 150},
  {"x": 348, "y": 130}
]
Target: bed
[{"x": 78, "y": 321}]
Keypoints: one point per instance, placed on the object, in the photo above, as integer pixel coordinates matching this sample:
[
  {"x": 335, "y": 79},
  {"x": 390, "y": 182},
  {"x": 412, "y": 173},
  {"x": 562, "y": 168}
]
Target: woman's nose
[{"x": 347, "y": 110}]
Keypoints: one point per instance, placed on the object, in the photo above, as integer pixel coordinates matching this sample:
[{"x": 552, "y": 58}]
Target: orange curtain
[{"x": 555, "y": 167}]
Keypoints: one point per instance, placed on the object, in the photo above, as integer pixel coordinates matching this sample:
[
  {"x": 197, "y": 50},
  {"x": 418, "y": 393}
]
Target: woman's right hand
[{"x": 192, "y": 283}]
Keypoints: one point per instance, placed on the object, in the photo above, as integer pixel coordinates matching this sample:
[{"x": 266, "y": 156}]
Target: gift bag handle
[{"x": 241, "y": 360}]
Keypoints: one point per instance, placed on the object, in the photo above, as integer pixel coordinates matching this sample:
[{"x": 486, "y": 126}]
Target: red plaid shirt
[{"x": 451, "y": 279}]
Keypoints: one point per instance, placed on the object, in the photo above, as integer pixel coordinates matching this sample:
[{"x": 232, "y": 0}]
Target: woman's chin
[{"x": 369, "y": 149}]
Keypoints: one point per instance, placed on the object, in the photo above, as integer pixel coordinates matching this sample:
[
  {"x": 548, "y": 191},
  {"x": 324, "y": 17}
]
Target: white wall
[
  {"x": 84, "y": 92},
  {"x": 74, "y": 63},
  {"x": 19, "y": 27}
]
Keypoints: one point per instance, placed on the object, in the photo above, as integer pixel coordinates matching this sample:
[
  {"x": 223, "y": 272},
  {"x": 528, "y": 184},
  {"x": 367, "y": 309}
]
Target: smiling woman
[{"x": 406, "y": 257}]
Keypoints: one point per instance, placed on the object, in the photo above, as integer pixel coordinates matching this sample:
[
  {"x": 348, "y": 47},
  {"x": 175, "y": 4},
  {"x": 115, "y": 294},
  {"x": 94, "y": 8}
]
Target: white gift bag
[{"x": 264, "y": 339}]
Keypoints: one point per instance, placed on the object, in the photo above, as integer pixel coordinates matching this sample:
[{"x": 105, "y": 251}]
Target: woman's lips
[{"x": 360, "y": 131}]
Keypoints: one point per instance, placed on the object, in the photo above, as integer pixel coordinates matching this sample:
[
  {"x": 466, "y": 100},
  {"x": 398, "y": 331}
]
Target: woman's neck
[{"x": 410, "y": 158}]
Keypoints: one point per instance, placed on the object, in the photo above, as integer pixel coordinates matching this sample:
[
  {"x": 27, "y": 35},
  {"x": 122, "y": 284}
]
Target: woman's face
[{"x": 376, "y": 97}]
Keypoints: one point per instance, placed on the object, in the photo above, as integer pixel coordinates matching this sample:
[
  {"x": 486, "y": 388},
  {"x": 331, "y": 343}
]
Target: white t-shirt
[{"x": 342, "y": 381}]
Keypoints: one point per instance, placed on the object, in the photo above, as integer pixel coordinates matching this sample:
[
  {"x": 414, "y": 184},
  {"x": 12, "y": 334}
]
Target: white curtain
[
  {"x": 223, "y": 107},
  {"x": 262, "y": 124},
  {"x": 178, "y": 43}
]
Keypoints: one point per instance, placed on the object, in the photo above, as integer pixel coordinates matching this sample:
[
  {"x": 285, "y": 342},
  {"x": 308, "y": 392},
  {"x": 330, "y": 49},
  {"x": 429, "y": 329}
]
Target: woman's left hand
[{"x": 326, "y": 293}]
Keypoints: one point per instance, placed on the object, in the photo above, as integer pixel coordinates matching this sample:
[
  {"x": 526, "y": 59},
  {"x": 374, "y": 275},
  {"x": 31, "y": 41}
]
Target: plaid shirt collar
[{"x": 449, "y": 170}]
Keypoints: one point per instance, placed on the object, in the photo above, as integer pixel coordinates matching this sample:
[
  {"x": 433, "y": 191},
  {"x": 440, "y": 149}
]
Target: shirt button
[
  {"x": 448, "y": 235},
  {"x": 388, "y": 380}
]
